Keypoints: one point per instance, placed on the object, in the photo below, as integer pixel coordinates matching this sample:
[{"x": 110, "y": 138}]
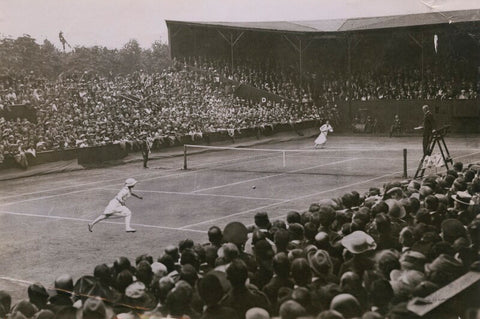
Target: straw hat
[
  {"x": 358, "y": 242},
  {"x": 463, "y": 198}
]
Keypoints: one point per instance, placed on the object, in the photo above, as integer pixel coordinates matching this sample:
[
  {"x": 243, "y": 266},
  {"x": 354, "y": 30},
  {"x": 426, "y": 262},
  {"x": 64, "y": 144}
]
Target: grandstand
[{"x": 241, "y": 217}]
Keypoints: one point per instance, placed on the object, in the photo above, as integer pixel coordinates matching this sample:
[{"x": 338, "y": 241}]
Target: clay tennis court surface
[{"x": 43, "y": 219}]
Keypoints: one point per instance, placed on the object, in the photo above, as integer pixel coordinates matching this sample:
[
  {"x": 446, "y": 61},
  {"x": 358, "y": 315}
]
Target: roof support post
[
  {"x": 232, "y": 41},
  {"x": 300, "y": 50},
  {"x": 419, "y": 43}
]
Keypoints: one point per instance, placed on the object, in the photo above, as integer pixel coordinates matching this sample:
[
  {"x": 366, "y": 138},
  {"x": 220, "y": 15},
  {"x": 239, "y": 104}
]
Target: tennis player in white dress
[
  {"x": 117, "y": 208},
  {"x": 322, "y": 138}
]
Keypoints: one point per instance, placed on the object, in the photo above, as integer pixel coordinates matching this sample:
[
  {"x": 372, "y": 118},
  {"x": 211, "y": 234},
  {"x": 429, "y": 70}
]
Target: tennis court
[{"x": 43, "y": 219}]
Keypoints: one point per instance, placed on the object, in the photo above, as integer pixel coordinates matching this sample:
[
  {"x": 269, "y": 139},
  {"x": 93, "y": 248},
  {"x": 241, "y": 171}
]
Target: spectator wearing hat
[
  {"x": 94, "y": 308},
  {"x": 262, "y": 222},
  {"x": 136, "y": 298},
  {"x": 291, "y": 309},
  {"x": 144, "y": 273},
  {"x": 474, "y": 234},
  {"x": 347, "y": 305},
  {"x": 242, "y": 297},
  {"x": 386, "y": 261},
  {"x": 406, "y": 239},
  {"x": 281, "y": 269},
  {"x": 384, "y": 234},
  {"x": 404, "y": 282},
  {"x": 326, "y": 218},
  {"x": 63, "y": 293},
  {"x": 257, "y": 313},
  {"x": 360, "y": 245},
  {"x": 304, "y": 297},
  {"x": 161, "y": 290},
  {"x": 143, "y": 257},
  {"x": 237, "y": 233},
  {"x": 452, "y": 229},
  {"x": 173, "y": 252},
  {"x": 293, "y": 217},
  {"x": 38, "y": 295},
  {"x": 280, "y": 239},
  {"x": 177, "y": 303},
  {"x": 215, "y": 237},
  {"x": 117, "y": 207},
  {"x": 412, "y": 260},
  {"x": 211, "y": 255},
  {"x": 443, "y": 270},
  {"x": 396, "y": 213},
  {"x": 5, "y": 302},
  {"x": 44, "y": 314},
  {"x": 301, "y": 272},
  {"x": 322, "y": 268},
  {"x": 330, "y": 314},
  {"x": 296, "y": 236},
  {"x": 26, "y": 308},
  {"x": 211, "y": 292},
  {"x": 350, "y": 283},
  {"x": 462, "y": 209},
  {"x": 264, "y": 253},
  {"x": 227, "y": 253},
  {"x": 380, "y": 294}
]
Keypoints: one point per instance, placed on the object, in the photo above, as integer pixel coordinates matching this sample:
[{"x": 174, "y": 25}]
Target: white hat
[
  {"x": 463, "y": 198},
  {"x": 130, "y": 182},
  {"x": 358, "y": 242}
]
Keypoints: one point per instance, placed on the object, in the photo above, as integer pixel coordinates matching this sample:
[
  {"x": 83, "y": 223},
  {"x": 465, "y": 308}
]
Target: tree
[{"x": 131, "y": 57}]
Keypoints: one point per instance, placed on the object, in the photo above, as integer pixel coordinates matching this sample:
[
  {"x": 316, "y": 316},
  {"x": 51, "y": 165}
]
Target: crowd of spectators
[
  {"x": 331, "y": 86},
  {"x": 89, "y": 110},
  {"x": 358, "y": 256},
  {"x": 194, "y": 98}
]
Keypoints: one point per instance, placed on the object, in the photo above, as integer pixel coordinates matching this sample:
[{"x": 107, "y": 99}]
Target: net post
[
  {"x": 405, "y": 163},
  {"x": 284, "y": 159},
  {"x": 184, "y": 156}
]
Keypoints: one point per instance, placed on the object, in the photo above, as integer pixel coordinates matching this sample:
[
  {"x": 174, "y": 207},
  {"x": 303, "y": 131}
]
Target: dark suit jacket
[{"x": 428, "y": 123}]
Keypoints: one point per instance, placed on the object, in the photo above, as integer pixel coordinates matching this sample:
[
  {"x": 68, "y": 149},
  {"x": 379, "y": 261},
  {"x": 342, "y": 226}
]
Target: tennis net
[{"x": 260, "y": 160}]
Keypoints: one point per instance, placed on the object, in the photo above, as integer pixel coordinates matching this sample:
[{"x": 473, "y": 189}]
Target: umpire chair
[{"x": 437, "y": 139}]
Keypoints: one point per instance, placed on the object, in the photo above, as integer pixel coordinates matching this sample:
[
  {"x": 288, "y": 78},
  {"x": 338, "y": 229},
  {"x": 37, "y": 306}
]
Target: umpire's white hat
[{"x": 130, "y": 182}]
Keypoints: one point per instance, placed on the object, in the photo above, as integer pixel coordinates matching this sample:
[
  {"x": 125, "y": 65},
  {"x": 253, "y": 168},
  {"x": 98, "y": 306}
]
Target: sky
[{"x": 112, "y": 23}]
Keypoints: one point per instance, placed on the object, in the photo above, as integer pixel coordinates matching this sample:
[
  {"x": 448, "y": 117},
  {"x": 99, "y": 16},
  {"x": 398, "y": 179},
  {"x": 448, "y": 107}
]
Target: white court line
[
  {"x": 193, "y": 194},
  {"x": 18, "y": 281},
  {"x": 457, "y": 157},
  {"x": 275, "y": 175},
  {"x": 143, "y": 180},
  {"x": 79, "y": 185},
  {"x": 179, "y": 171},
  {"x": 290, "y": 200},
  {"x": 48, "y": 196},
  {"x": 105, "y": 222}
]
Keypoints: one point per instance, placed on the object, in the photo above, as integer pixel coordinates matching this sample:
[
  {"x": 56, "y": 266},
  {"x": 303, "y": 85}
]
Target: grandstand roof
[{"x": 351, "y": 24}]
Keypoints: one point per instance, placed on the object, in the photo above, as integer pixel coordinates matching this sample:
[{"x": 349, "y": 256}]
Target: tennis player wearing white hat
[{"x": 117, "y": 208}]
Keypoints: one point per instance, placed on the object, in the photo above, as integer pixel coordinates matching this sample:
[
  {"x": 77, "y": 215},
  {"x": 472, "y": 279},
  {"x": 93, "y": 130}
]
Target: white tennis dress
[
  {"x": 322, "y": 138},
  {"x": 116, "y": 207}
]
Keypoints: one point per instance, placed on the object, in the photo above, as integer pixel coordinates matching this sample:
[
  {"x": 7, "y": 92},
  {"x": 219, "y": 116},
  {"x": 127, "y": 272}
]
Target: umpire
[{"x": 428, "y": 128}]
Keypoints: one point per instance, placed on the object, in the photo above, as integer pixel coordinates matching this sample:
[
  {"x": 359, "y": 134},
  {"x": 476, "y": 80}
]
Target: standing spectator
[{"x": 243, "y": 297}]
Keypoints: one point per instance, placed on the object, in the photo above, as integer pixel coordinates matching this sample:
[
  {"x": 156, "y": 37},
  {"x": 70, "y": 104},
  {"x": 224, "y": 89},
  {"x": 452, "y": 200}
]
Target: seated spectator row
[
  {"x": 358, "y": 256},
  {"x": 331, "y": 85}
]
